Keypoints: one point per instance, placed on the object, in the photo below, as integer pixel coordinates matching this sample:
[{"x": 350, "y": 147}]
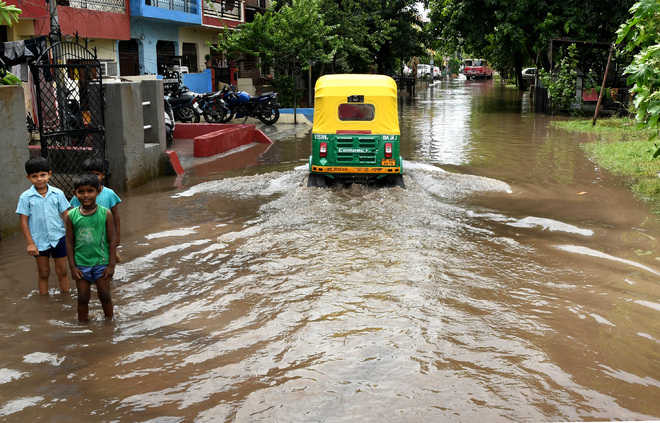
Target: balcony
[
  {"x": 255, "y": 4},
  {"x": 113, "y": 6},
  {"x": 186, "y": 6},
  {"x": 224, "y": 9}
]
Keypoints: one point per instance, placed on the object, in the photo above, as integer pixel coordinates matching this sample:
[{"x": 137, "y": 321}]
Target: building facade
[{"x": 142, "y": 37}]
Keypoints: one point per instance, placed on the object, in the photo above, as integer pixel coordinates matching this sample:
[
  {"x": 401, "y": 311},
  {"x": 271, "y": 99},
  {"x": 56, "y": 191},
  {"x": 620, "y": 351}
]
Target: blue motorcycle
[{"x": 241, "y": 104}]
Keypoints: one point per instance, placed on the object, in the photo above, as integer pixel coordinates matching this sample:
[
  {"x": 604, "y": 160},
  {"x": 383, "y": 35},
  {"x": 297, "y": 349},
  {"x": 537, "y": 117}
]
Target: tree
[
  {"x": 289, "y": 40},
  {"x": 641, "y": 34},
  {"x": 8, "y": 16},
  {"x": 8, "y": 13},
  {"x": 512, "y": 34},
  {"x": 373, "y": 32}
]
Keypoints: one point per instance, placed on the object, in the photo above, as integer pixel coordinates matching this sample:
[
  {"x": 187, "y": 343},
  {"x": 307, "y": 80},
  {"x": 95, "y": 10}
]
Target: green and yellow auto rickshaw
[{"x": 355, "y": 137}]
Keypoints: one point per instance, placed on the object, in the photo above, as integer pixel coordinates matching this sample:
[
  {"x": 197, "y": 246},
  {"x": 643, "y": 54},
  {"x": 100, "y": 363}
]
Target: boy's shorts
[
  {"x": 57, "y": 251},
  {"x": 92, "y": 273}
]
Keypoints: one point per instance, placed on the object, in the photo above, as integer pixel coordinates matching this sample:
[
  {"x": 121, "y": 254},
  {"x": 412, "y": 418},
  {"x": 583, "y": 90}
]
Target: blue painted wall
[
  {"x": 148, "y": 33},
  {"x": 192, "y": 16},
  {"x": 198, "y": 82}
]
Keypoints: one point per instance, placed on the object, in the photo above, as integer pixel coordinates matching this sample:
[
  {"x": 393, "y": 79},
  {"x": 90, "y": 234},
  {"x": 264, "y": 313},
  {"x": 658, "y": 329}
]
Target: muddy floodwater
[{"x": 513, "y": 280}]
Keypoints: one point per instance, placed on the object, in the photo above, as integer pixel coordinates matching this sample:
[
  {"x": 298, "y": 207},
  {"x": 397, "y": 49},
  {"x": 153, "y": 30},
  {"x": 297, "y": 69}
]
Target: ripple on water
[
  {"x": 42, "y": 357},
  {"x": 7, "y": 375},
  {"x": 20, "y": 404}
]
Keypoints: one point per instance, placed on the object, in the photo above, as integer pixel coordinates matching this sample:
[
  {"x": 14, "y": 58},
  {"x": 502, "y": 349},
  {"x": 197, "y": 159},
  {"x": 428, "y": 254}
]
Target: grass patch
[
  {"x": 625, "y": 150},
  {"x": 612, "y": 129}
]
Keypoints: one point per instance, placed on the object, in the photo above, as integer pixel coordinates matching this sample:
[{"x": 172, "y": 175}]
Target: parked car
[
  {"x": 477, "y": 69},
  {"x": 406, "y": 70},
  {"x": 529, "y": 74},
  {"x": 424, "y": 71},
  {"x": 436, "y": 72}
]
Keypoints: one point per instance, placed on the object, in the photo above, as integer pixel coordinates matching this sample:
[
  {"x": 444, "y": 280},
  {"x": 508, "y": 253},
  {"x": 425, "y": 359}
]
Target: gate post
[
  {"x": 154, "y": 113},
  {"x": 124, "y": 132},
  {"x": 14, "y": 142}
]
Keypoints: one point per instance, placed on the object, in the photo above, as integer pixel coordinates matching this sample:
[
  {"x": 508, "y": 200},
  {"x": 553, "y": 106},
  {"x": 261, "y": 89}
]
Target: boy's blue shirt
[
  {"x": 44, "y": 215},
  {"x": 106, "y": 198}
]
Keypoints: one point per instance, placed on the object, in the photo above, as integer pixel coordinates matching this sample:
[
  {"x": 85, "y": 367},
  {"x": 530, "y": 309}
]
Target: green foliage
[
  {"x": 511, "y": 34},
  {"x": 641, "y": 33},
  {"x": 561, "y": 82},
  {"x": 291, "y": 38},
  {"x": 8, "y": 14},
  {"x": 454, "y": 65},
  {"x": 346, "y": 36}
]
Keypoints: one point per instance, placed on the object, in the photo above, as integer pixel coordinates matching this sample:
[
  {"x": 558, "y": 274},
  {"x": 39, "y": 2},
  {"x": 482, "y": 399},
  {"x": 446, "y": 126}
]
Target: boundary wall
[{"x": 14, "y": 140}]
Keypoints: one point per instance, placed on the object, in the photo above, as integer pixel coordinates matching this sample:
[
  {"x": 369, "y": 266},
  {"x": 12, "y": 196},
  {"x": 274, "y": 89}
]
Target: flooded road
[{"x": 511, "y": 280}]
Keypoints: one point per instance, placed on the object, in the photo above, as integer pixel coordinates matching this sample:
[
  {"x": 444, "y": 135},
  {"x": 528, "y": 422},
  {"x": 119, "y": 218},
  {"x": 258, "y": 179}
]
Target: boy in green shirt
[{"x": 91, "y": 246}]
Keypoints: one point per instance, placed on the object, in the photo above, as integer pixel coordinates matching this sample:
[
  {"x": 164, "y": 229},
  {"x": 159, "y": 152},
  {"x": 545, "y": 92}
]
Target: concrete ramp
[
  {"x": 210, "y": 139},
  {"x": 204, "y": 148}
]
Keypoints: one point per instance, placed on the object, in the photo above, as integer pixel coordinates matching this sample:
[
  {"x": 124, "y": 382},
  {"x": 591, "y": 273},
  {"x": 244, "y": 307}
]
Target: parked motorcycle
[
  {"x": 169, "y": 124},
  {"x": 181, "y": 100},
  {"x": 212, "y": 107},
  {"x": 241, "y": 104}
]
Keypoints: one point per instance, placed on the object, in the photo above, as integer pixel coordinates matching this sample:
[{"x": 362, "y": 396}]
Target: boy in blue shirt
[
  {"x": 106, "y": 197},
  {"x": 41, "y": 210}
]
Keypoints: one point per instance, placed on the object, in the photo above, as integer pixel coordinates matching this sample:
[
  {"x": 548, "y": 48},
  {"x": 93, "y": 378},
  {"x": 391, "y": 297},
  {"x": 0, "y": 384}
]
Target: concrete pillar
[
  {"x": 152, "y": 92},
  {"x": 14, "y": 140},
  {"x": 124, "y": 133},
  {"x": 132, "y": 161}
]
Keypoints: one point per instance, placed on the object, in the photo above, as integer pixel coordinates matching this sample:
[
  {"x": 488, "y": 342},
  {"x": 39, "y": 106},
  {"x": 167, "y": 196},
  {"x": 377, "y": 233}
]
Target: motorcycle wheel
[
  {"x": 228, "y": 116},
  {"x": 186, "y": 114},
  {"x": 217, "y": 114},
  {"x": 270, "y": 118}
]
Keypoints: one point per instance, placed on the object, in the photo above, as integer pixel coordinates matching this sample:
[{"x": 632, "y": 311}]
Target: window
[
  {"x": 190, "y": 56},
  {"x": 360, "y": 112}
]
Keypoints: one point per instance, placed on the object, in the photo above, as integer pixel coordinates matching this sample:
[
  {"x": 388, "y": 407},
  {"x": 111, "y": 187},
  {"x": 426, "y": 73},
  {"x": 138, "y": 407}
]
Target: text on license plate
[{"x": 388, "y": 162}]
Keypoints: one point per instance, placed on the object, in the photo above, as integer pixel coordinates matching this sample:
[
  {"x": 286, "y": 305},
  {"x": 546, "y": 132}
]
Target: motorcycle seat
[{"x": 263, "y": 96}]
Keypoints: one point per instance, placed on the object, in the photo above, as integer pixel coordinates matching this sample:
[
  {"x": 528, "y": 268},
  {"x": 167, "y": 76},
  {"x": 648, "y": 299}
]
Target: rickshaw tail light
[
  {"x": 388, "y": 150},
  {"x": 323, "y": 149}
]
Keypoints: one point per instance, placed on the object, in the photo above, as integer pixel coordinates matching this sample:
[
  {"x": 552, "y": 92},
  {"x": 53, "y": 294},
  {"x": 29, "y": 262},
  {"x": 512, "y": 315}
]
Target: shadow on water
[{"x": 488, "y": 288}]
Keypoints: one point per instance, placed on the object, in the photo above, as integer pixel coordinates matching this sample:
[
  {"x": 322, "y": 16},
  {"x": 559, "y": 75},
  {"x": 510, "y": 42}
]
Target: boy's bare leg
[
  {"x": 83, "y": 300},
  {"x": 62, "y": 275},
  {"x": 103, "y": 287},
  {"x": 43, "y": 268}
]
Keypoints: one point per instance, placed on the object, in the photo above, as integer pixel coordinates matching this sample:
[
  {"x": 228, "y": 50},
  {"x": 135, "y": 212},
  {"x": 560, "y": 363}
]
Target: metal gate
[{"x": 70, "y": 108}]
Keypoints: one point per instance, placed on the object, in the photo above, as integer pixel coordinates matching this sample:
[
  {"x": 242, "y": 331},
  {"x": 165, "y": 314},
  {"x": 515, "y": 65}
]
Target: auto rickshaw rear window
[{"x": 357, "y": 112}]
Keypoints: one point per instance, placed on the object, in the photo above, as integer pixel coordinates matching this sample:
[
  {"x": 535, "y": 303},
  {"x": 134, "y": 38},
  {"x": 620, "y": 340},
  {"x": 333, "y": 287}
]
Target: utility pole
[{"x": 55, "y": 33}]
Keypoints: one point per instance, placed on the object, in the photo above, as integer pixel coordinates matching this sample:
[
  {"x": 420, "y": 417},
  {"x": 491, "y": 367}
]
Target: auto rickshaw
[{"x": 355, "y": 137}]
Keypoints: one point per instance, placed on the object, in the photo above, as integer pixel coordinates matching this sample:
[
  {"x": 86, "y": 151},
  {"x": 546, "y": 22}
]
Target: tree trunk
[{"x": 517, "y": 67}]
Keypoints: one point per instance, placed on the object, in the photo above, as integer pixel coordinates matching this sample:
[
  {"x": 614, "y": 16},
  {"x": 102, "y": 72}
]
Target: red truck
[{"x": 477, "y": 69}]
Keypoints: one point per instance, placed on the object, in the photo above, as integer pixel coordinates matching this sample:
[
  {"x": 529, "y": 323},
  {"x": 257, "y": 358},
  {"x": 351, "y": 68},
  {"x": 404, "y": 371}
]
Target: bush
[{"x": 561, "y": 82}]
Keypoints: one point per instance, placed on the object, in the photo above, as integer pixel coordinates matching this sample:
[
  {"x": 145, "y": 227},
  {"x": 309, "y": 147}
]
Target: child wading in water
[
  {"x": 90, "y": 236},
  {"x": 107, "y": 197},
  {"x": 41, "y": 209}
]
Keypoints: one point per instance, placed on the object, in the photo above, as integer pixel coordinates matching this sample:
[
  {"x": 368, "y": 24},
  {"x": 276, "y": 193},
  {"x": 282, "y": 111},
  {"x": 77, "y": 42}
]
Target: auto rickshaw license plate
[{"x": 388, "y": 162}]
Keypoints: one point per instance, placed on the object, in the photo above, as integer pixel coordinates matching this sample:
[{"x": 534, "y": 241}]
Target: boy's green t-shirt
[{"x": 90, "y": 238}]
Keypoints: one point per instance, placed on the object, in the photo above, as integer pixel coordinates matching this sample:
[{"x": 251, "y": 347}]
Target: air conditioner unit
[{"x": 109, "y": 69}]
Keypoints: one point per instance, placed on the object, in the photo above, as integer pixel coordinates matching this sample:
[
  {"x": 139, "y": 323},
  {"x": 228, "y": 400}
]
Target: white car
[
  {"x": 529, "y": 73},
  {"x": 424, "y": 70}
]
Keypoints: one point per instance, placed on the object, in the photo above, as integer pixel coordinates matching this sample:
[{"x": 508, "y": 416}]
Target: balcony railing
[
  {"x": 224, "y": 9},
  {"x": 186, "y": 6},
  {"x": 115, "y": 6},
  {"x": 255, "y": 4}
]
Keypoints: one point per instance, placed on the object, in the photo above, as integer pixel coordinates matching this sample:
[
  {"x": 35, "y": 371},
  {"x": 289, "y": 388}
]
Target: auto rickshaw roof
[
  {"x": 334, "y": 90},
  {"x": 349, "y": 84}
]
